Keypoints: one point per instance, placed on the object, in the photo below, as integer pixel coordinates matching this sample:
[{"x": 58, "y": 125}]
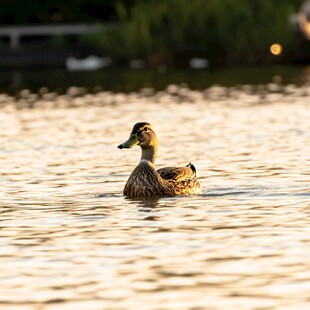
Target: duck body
[{"x": 145, "y": 180}]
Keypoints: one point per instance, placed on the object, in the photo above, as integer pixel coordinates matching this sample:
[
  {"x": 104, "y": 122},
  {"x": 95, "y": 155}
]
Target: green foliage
[{"x": 225, "y": 31}]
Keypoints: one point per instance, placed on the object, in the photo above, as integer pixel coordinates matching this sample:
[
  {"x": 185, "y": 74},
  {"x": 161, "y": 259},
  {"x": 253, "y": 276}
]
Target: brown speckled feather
[
  {"x": 146, "y": 181},
  {"x": 177, "y": 173}
]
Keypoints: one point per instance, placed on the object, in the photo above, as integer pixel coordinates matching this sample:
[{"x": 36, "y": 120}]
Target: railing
[{"x": 15, "y": 32}]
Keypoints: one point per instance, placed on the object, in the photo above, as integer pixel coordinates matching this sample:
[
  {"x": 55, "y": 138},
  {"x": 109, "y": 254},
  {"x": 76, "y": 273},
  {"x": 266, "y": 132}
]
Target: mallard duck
[{"x": 145, "y": 180}]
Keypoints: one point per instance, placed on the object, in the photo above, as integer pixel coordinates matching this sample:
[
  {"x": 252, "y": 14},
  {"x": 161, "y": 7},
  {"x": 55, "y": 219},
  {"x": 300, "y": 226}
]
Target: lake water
[
  {"x": 69, "y": 239},
  {"x": 133, "y": 80}
]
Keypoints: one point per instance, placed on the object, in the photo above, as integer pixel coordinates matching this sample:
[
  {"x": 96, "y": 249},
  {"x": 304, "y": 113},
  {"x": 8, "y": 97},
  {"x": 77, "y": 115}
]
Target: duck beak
[{"x": 132, "y": 141}]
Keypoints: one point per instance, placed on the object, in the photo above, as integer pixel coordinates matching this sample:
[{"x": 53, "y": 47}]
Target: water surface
[
  {"x": 124, "y": 80},
  {"x": 69, "y": 239}
]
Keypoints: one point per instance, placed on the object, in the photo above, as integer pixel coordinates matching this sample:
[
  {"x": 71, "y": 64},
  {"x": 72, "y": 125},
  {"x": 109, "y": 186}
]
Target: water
[
  {"x": 70, "y": 240},
  {"x": 133, "y": 80}
]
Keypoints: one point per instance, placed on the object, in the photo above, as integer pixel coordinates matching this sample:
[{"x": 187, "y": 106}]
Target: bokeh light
[{"x": 276, "y": 49}]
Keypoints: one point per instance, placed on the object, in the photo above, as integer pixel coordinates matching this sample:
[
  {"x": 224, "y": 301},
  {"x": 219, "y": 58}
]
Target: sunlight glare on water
[{"x": 70, "y": 240}]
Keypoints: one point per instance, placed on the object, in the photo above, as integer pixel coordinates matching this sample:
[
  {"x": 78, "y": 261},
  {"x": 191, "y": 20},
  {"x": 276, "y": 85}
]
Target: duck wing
[{"x": 178, "y": 173}]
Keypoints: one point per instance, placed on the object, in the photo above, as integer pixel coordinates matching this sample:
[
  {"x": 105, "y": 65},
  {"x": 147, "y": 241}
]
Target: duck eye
[{"x": 145, "y": 129}]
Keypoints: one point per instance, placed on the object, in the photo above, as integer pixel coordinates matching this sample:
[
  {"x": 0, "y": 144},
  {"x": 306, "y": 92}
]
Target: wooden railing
[{"x": 15, "y": 32}]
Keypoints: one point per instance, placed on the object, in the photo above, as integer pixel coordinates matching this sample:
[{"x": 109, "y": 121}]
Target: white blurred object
[
  {"x": 89, "y": 63},
  {"x": 300, "y": 22},
  {"x": 199, "y": 63}
]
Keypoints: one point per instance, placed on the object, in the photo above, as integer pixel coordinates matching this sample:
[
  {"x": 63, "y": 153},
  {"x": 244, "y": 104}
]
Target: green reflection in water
[{"x": 132, "y": 80}]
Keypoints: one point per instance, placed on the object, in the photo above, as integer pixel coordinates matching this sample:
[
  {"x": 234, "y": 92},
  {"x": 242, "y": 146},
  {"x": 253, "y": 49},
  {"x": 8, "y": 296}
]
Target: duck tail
[{"x": 190, "y": 165}]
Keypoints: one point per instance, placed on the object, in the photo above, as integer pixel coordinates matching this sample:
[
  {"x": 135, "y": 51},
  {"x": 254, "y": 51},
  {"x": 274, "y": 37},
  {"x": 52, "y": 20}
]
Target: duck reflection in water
[{"x": 146, "y": 205}]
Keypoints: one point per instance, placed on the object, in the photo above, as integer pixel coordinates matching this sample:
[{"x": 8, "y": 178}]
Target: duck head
[{"x": 143, "y": 135}]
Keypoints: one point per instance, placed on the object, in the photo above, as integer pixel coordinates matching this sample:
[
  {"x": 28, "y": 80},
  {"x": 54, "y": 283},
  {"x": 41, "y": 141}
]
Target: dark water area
[{"x": 124, "y": 80}]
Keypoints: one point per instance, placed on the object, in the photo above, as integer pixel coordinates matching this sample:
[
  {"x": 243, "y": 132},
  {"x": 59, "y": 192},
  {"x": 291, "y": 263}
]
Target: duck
[{"x": 145, "y": 180}]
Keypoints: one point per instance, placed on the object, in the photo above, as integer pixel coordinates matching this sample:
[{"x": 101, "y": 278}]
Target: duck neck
[{"x": 149, "y": 153}]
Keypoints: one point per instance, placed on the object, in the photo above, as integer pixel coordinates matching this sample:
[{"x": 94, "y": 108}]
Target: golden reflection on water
[{"x": 70, "y": 240}]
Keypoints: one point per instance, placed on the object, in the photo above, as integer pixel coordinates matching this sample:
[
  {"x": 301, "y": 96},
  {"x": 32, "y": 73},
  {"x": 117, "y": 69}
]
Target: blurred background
[{"x": 162, "y": 36}]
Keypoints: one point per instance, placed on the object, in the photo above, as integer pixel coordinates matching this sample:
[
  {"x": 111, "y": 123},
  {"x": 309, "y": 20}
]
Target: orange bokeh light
[{"x": 276, "y": 49}]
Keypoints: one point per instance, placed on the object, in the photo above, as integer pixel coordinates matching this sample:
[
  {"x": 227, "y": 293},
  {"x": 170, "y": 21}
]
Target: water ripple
[{"x": 70, "y": 240}]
